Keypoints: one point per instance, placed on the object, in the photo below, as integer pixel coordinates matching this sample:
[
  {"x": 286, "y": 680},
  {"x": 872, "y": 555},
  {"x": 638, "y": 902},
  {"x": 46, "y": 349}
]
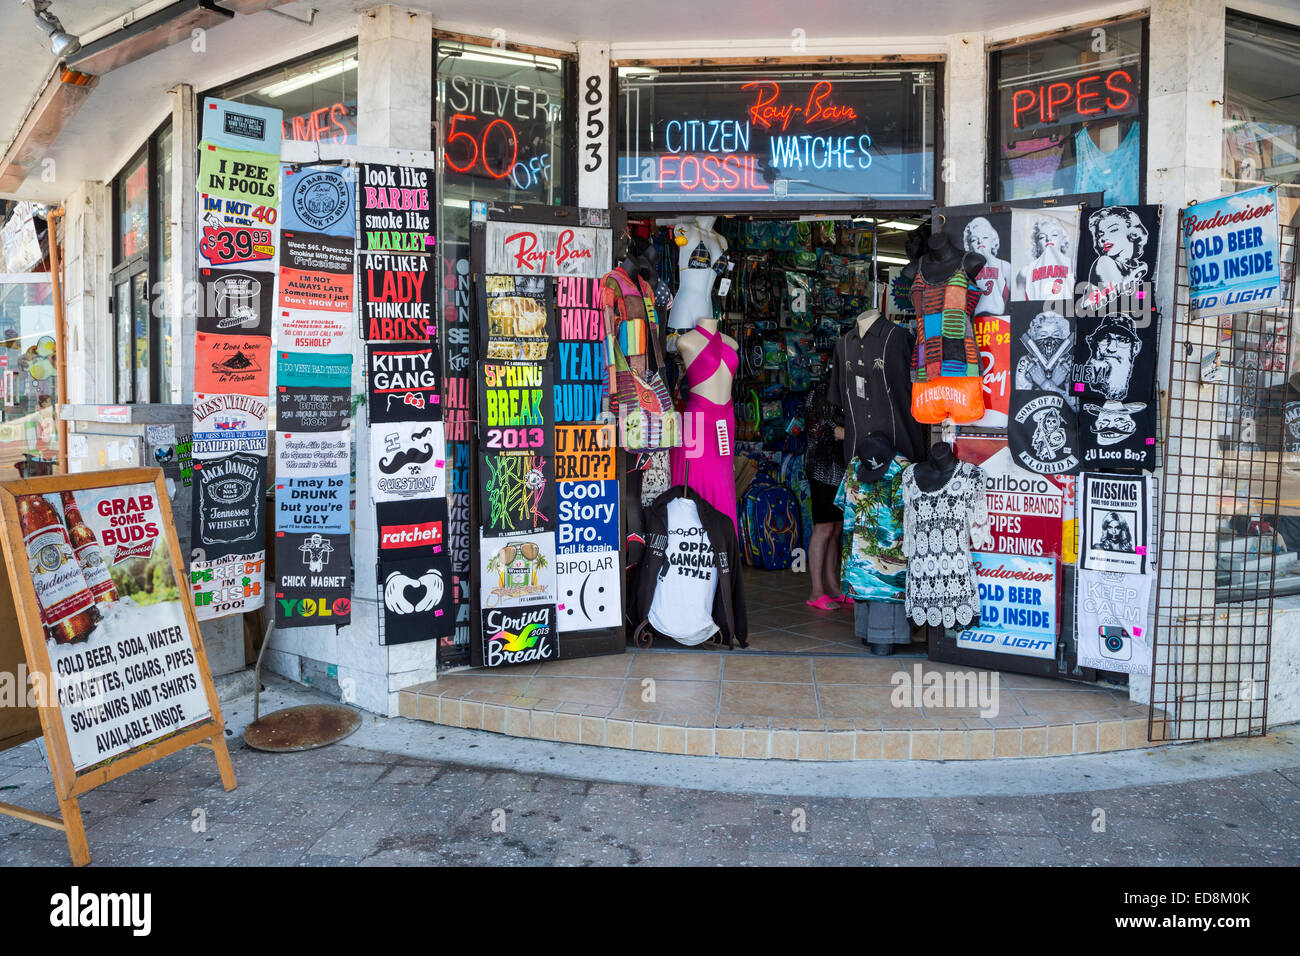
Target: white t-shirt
[{"x": 682, "y": 607}]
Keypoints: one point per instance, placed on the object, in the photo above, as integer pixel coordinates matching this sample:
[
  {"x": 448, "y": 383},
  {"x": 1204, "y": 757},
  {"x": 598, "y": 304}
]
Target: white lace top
[{"x": 940, "y": 529}]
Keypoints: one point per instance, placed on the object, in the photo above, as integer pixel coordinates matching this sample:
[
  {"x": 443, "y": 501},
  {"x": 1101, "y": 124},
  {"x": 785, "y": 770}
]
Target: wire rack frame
[{"x": 1219, "y": 507}]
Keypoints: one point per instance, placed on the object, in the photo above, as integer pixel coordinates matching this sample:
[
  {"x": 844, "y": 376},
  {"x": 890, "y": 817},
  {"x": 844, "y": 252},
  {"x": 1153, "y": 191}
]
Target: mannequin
[
  {"x": 933, "y": 473},
  {"x": 866, "y": 320},
  {"x": 703, "y": 462},
  {"x": 946, "y": 371},
  {"x": 696, "y": 277}
]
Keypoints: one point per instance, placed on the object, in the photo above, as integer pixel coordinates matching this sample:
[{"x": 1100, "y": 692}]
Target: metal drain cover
[{"x": 302, "y": 728}]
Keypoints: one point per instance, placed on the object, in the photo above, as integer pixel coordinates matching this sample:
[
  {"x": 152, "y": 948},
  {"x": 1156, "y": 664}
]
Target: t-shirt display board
[
  {"x": 548, "y": 566},
  {"x": 105, "y": 630}
]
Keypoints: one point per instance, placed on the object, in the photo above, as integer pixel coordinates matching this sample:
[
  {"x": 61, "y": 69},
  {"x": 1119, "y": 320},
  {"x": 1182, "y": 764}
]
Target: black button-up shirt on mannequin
[{"x": 871, "y": 380}]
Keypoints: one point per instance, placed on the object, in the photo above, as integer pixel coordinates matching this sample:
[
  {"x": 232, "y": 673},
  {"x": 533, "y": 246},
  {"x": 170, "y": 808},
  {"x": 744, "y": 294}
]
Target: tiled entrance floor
[{"x": 807, "y": 701}]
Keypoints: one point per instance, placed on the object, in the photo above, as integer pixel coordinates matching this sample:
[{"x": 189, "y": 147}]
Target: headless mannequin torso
[
  {"x": 933, "y": 473},
  {"x": 694, "y": 299},
  {"x": 717, "y": 387},
  {"x": 942, "y": 257}
]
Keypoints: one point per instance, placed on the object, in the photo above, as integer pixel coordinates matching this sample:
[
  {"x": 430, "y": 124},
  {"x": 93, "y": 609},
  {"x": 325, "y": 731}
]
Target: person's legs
[
  {"x": 817, "y": 559},
  {"x": 831, "y": 563}
]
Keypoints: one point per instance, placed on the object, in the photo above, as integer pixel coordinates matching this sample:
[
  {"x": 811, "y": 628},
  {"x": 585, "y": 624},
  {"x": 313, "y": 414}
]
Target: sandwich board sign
[{"x": 96, "y": 618}]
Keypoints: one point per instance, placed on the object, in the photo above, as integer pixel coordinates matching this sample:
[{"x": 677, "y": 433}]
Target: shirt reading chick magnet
[{"x": 398, "y": 293}]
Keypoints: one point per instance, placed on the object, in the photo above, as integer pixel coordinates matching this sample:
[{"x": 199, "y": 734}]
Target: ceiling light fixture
[{"x": 62, "y": 43}]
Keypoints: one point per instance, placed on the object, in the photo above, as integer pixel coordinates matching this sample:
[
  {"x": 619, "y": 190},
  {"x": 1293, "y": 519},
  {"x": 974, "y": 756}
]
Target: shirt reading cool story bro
[{"x": 682, "y": 607}]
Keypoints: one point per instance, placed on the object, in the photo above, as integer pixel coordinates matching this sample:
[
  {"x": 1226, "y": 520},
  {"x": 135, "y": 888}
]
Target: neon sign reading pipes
[
  {"x": 1073, "y": 101},
  {"x": 716, "y": 154}
]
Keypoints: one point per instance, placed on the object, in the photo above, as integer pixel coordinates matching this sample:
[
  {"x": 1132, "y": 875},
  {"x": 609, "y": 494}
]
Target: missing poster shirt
[
  {"x": 1117, "y": 526},
  {"x": 517, "y": 317},
  {"x": 1111, "y": 618},
  {"x": 404, "y": 382}
]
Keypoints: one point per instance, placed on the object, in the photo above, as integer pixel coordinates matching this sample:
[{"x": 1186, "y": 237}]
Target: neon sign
[
  {"x": 329, "y": 124},
  {"x": 1073, "y": 101},
  {"x": 773, "y": 136}
]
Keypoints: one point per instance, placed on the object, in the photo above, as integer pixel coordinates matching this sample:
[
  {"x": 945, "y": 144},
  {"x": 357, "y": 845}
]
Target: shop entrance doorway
[{"x": 786, "y": 289}]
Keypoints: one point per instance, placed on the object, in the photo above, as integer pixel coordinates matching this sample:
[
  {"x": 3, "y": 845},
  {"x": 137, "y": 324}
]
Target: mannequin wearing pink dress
[{"x": 709, "y": 420}]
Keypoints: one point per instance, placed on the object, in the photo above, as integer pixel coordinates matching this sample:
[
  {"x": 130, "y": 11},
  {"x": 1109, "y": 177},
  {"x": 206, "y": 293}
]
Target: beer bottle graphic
[
  {"x": 85, "y": 545},
  {"x": 67, "y": 607}
]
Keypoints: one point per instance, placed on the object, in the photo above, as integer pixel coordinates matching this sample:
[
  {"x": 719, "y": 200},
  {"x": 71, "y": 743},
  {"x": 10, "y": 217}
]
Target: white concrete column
[
  {"x": 965, "y": 111},
  {"x": 180, "y": 282},
  {"x": 1184, "y": 154},
  {"x": 87, "y": 293},
  {"x": 394, "y": 78}
]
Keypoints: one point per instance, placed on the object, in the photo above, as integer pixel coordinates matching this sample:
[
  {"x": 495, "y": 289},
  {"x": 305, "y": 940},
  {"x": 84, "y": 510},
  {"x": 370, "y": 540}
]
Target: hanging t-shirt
[
  {"x": 1115, "y": 174},
  {"x": 682, "y": 607},
  {"x": 872, "y": 565}
]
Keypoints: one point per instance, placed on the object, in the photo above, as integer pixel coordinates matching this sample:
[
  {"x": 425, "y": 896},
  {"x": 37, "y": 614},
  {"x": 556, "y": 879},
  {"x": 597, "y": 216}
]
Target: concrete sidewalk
[{"x": 436, "y": 796}]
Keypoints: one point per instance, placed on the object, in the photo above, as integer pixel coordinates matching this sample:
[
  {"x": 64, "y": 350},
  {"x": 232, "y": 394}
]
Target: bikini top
[{"x": 715, "y": 354}]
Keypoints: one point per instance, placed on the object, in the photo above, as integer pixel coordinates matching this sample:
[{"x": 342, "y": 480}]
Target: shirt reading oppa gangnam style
[
  {"x": 682, "y": 607},
  {"x": 871, "y": 380}
]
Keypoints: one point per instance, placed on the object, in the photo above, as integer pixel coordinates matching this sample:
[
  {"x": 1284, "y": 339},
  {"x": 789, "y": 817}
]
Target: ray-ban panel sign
[{"x": 99, "y": 645}]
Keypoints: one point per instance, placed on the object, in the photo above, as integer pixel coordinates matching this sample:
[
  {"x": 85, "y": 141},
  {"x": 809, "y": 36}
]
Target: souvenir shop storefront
[{"x": 686, "y": 403}]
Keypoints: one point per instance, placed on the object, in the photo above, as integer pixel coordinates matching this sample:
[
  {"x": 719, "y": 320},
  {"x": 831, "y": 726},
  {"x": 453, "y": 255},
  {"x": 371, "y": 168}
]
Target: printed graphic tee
[
  {"x": 940, "y": 529},
  {"x": 682, "y": 607}
]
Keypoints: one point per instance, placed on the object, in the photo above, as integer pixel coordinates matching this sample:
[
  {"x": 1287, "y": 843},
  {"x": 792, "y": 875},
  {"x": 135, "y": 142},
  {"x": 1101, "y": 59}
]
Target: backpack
[
  {"x": 770, "y": 524},
  {"x": 793, "y": 477}
]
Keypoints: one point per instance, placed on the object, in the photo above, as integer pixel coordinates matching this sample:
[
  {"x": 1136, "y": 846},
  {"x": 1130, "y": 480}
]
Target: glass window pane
[
  {"x": 1069, "y": 116},
  {"x": 133, "y": 209},
  {"x": 163, "y": 297},
  {"x": 140, "y": 330},
  {"x": 500, "y": 126},
  {"x": 318, "y": 97},
  {"x": 29, "y": 443},
  {"x": 1261, "y": 105},
  {"x": 122, "y": 300}
]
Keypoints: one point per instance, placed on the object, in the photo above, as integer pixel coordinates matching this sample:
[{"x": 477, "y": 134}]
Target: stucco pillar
[
  {"x": 179, "y": 219},
  {"x": 394, "y": 78},
  {"x": 965, "y": 113}
]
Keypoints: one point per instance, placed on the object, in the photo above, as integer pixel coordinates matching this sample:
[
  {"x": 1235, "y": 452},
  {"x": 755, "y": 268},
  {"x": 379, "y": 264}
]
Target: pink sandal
[{"x": 824, "y": 603}]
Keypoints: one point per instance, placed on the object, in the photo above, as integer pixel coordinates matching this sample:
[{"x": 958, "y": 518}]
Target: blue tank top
[{"x": 1115, "y": 174}]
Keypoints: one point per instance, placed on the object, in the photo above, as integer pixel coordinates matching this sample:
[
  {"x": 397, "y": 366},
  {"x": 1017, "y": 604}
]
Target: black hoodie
[{"x": 728, "y": 600}]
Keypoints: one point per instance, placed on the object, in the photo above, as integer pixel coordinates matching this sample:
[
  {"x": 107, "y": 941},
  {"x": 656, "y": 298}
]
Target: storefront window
[
  {"x": 133, "y": 208},
  {"x": 29, "y": 443},
  {"x": 1261, "y": 105},
  {"x": 142, "y": 321},
  {"x": 318, "y": 96},
  {"x": 164, "y": 296},
  {"x": 1068, "y": 116},
  {"x": 501, "y": 136}
]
